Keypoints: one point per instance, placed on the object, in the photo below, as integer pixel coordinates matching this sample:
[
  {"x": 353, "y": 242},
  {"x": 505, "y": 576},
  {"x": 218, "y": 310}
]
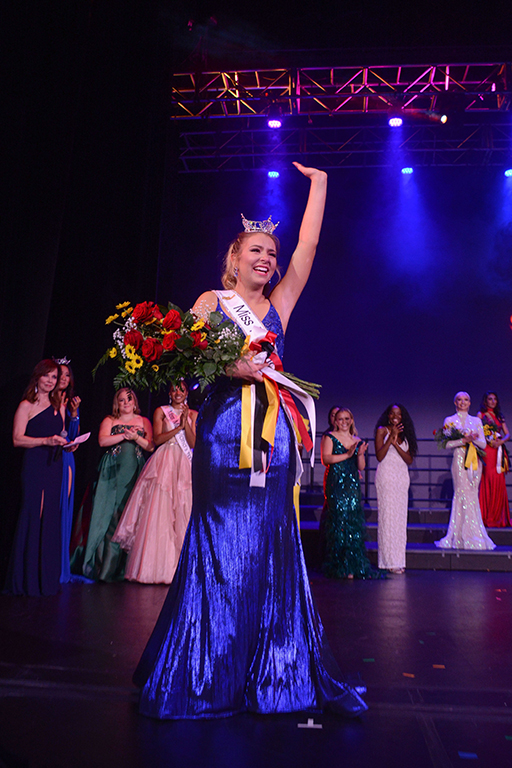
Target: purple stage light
[
  {"x": 395, "y": 122},
  {"x": 274, "y": 123},
  {"x": 273, "y": 174},
  {"x": 407, "y": 171}
]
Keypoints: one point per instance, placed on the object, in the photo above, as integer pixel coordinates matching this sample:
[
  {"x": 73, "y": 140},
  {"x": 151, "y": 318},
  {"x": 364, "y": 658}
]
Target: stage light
[
  {"x": 273, "y": 174},
  {"x": 395, "y": 122},
  {"x": 274, "y": 116},
  {"x": 508, "y": 172},
  {"x": 444, "y": 119},
  {"x": 407, "y": 171}
]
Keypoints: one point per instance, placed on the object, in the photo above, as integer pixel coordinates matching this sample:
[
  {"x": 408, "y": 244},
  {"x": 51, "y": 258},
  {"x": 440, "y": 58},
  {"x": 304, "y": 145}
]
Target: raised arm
[{"x": 286, "y": 293}]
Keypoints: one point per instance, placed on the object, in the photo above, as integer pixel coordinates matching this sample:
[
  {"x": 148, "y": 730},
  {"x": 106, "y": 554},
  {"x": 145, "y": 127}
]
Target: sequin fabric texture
[
  {"x": 465, "y": 529},
  {"x": 392, "y": 486},
  {"x": 344, "y": 526},
  {"x": 239, "y": 630}
]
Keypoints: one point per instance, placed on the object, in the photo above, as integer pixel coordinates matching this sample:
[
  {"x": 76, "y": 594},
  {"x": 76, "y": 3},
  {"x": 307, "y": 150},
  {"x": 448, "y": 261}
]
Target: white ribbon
[{"x": 174, "y": 419}]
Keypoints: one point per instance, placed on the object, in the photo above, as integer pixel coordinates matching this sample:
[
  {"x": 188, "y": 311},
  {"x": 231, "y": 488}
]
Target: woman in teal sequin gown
[
  {"x": 124, "y": 434},
  {"x": 344, "y": 526},
  {"x": 239, "y": 631}
]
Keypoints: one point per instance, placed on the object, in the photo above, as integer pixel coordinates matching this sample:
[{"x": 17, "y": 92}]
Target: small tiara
[
  {"x": 61, "y": 360},
  {"x": 266, "y": 226}
]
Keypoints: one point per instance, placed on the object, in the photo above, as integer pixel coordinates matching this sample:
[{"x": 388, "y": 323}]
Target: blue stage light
[
  {"x": 508, "y": 172},
  {"x": 407, "y": 171},
  {"x": 273, "y": 174},
  {"x": 395, "y": 122}
]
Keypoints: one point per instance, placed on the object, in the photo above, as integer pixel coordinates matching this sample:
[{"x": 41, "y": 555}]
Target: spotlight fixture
[
  {"x": 444, "y": 119},
  {"x": 395, "y": 122},
  {"x": 407, "y": 171},
  {"x": 274, "y": 116},
  {"x": 508, "y": 172},
  {"x": 273, "y": 174}
]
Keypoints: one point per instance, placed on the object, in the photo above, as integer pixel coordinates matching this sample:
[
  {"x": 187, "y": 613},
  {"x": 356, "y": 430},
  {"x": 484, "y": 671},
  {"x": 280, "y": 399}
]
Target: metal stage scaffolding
[{"x": 336, "y": 117}]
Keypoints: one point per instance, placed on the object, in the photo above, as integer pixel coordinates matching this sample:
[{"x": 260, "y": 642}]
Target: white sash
[
  {"x": 173, "y": 418},
  {"x": 241, "y": 314}
]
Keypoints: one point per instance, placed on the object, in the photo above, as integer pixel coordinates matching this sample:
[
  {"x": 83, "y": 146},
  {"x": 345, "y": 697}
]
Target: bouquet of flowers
[
  {"x": 154, "y": 346},
  {"x": 450, "y": 432},
  {"x": 491, "y": 433}
]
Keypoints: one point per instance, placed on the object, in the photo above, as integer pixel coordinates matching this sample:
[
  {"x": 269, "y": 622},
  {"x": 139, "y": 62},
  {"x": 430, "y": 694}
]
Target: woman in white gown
[
  {"x": 155, "y": 519},
  {"x": 395, "y": 449},
  {"x": 465, "y": 529}
]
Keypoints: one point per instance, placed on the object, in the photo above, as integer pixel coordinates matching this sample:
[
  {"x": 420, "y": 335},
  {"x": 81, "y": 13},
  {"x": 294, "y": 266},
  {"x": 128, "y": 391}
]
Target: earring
[
  {"x": 236, "y": 272},
  {"x": 36, "y": 390}
]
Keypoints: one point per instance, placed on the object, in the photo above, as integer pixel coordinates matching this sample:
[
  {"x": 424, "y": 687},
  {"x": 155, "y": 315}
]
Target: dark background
[{"x": 410, "y": 298}]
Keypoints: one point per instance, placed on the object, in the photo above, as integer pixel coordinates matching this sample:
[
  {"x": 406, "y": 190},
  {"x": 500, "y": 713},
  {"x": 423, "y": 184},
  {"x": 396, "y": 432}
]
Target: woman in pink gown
[{"x": 154, "y": 521}]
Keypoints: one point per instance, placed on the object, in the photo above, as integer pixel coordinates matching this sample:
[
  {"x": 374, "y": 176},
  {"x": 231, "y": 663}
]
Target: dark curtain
[{"x": 85, "y": 162}]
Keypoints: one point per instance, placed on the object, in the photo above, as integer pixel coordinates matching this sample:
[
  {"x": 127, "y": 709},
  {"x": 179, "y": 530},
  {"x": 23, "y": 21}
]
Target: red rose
[
  {"x": 151, "y": 349},
  {"x": 172, "y": 320},
  {"x": 169, "y": 341},
  {"x": 135, "y": 338},
  {"x": 196, "y": 336},
  {"x": 146, "y": 311}
]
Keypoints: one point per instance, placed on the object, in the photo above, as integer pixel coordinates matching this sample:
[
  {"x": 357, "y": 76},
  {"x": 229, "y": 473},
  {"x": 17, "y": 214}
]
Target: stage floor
[{"x": 434, "y": 649}]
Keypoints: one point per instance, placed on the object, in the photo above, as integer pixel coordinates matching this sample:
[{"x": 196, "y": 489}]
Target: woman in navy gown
[
  {"x": 35, "y": 564},
  {"x": 70, "y": 402},
  {"x": 239, "y": 630}
]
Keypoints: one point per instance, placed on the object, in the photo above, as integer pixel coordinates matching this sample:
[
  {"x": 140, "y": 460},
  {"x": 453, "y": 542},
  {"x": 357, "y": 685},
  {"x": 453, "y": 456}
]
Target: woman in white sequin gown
[
  {"x": 465, "y": 529},
  {"x": 395, "y": 448}
]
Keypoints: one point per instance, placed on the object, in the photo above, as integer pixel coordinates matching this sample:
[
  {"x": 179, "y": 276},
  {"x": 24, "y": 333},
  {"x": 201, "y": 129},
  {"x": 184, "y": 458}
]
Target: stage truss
[{"x": 337, "y": 116}]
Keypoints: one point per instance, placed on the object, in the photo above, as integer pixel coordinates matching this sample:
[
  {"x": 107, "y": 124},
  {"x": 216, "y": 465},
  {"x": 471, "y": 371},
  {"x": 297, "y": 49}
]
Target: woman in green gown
[
  {"x": 343, "y": 454},
  {"x": 125, "y": 434}
]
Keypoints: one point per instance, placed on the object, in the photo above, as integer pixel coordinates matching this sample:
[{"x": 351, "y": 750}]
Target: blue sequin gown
[
  {"x": 344, "y": 525},
  {"x": 239, "y": 630}
]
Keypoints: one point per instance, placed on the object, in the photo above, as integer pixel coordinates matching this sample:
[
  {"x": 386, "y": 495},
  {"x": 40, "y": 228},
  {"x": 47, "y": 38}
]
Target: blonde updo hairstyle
[{"x": 228, "y": 275}]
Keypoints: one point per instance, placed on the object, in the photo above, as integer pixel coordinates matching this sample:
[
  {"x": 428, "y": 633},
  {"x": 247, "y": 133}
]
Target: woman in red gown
[{"x": 493, "y": 490}]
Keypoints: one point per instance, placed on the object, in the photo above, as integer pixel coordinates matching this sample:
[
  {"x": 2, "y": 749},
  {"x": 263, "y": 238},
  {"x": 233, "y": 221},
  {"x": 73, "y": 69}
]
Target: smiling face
[
  {"x": 64, "y": 378},
  {"x": 48, "y": 381},
  {"x": 256, "y": 260},
  {"x": 395, "y": 416},
  {"x": 462, "y": 401},
  {"x": 343, "y": 421},
  {"x": 178, "y": 394}
]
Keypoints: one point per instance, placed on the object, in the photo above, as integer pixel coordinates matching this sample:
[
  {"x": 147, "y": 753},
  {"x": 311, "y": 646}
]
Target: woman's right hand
[
  {"x": 245, "y": 368},
  {"x": 55, "y": 440}
]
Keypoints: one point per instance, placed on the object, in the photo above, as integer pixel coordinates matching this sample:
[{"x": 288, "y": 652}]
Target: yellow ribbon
[
  {"x": 246, "y": 436},
  {"x": 471, "y": 457},
  {"x": 296, "y": 497}
]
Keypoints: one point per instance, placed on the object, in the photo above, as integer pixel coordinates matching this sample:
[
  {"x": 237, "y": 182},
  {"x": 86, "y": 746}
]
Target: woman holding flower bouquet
[
  {"x": 464, "y": 434},
  {"x": 493, "y": 489},
  {"x": 239, "y": 630}
]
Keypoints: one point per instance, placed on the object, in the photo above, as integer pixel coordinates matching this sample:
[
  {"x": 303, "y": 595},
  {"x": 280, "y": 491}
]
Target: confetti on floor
[
  {"x": 408, "y": 674},
  {"x": 368, "y": 660},
  {"x": 438, "y": 666},
  {"x": 468, "y": 755}
]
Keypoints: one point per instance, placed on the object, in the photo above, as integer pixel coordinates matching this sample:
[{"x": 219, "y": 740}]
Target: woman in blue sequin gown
[
  {"x": 239, "y": 630},
  {"x": 70, "y": 403}
]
